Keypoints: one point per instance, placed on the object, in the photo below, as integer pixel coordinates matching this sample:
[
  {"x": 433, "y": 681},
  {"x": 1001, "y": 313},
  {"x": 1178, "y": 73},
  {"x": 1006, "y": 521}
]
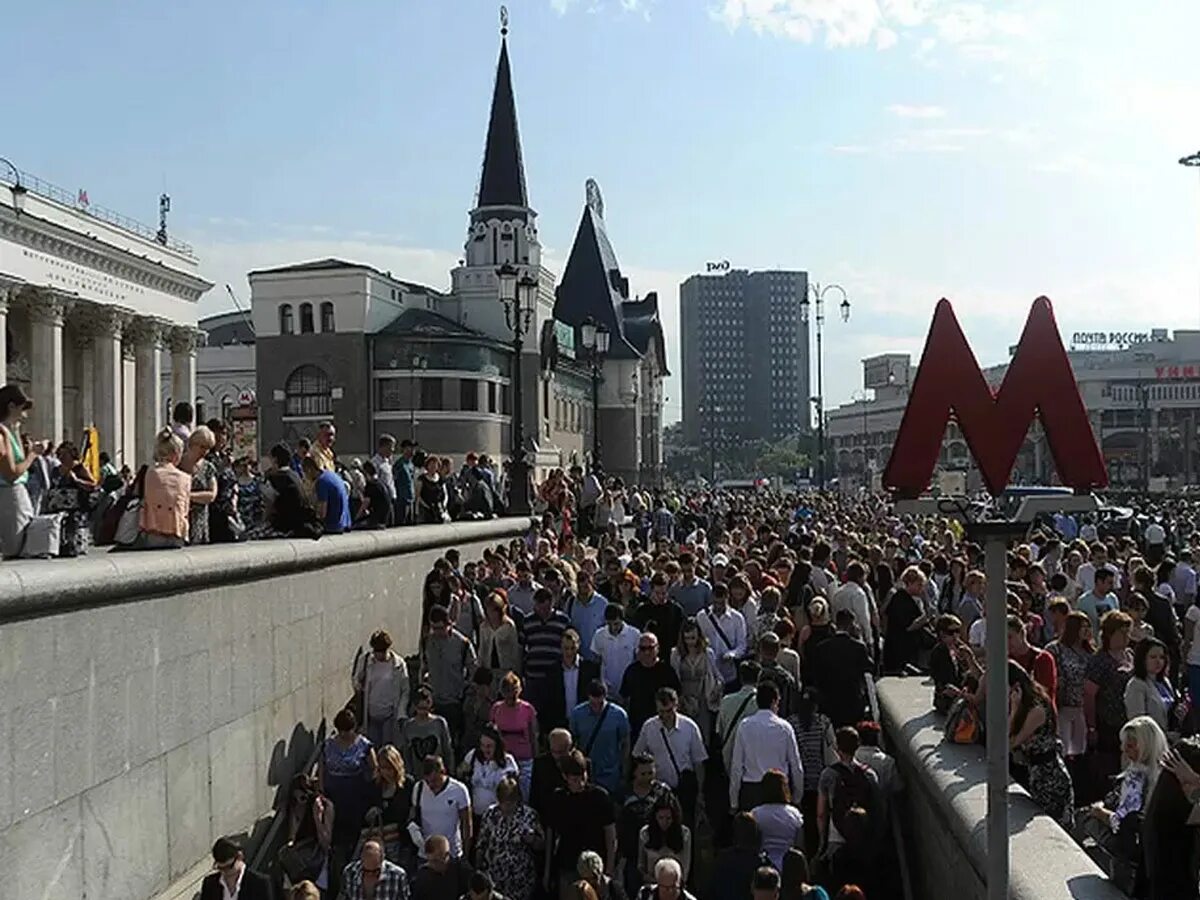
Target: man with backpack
[{"x": 848, "y": 811}]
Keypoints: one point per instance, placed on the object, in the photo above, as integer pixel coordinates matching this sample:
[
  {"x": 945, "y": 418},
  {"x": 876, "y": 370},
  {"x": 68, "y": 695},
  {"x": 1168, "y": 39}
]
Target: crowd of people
[
  {"x": 685, "y": 705},
  {"x": 53, "y": 503}
]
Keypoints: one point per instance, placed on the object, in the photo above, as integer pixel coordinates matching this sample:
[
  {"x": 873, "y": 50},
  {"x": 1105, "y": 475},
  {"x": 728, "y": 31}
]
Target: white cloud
[
  {"x": 907, "y": 111},
  {"x": 979, "y": 27}
]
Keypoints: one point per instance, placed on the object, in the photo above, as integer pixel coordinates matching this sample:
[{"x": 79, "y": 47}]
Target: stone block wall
[{"x": 150, "y": 702}]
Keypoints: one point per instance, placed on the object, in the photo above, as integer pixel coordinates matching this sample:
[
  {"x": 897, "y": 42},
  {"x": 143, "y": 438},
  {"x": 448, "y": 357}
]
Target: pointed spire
[{"x": 503, "y": 180}]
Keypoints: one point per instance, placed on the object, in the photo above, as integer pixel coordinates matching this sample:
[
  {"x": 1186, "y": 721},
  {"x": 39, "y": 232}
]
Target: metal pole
[
  {"x": 996, "y": 658},
  {"x": 820, "y": 408},
  {"x": 412, "y": 399},
  {"x": 1145, "y": 438},
  {"x": 596, "y": 413}
]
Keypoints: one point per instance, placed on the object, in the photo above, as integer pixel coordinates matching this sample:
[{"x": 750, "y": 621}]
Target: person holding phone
[{"x": 17, "y": 454}]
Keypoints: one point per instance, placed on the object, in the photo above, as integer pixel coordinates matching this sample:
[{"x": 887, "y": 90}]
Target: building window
[
  {"x": 286, "y": 323},
  {"x": 491, "y": 394},
  {"x": 226, "y": 409},
  {"x": 468, "y": 394},
  {"x": 431, "y": 393},
  {"x": 546, "y": 399},
  {"x": 306, "y": 318},
  {"x": 505, "y": 400},
  {"x": 391, "y": 394},
  {"x": 200, "y": 417},
  {"x": 326, "y": 317},
  {"x": 307, "y": 393}
]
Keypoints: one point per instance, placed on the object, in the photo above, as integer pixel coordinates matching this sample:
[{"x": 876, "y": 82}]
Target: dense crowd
[{"x": 60, "y": 501}]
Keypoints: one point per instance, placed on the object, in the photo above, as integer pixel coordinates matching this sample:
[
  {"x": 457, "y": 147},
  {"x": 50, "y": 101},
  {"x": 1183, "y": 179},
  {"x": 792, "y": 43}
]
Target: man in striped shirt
[{"x": 541, "y": 642}]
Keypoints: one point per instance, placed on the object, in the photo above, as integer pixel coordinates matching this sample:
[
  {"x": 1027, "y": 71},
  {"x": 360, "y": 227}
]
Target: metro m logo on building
[{"x": 1039, "y": 382}]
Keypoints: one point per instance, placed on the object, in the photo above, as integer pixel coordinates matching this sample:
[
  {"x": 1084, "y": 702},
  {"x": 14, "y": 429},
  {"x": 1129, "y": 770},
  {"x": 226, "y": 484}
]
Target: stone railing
[
  {"x": 150, "y": 702},
  {"x": 944, "y": 812}
]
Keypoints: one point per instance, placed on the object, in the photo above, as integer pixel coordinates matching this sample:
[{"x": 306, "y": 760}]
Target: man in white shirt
[
  {"x": 853, "y": 596},
  {"x": 443, "y": 807},
  {"x": 678, "y": 749},
  {"x": 763, "y": 742},
  {"x": 384, "y": 459},
  {"x": 726, "y": 632},
  {"x": 615, "y": 647},
  {"x": 1086, "y": 576}
]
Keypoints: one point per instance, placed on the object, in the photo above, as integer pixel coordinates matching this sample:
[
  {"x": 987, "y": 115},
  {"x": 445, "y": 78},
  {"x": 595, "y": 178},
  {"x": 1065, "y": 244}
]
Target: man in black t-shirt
[
  {"x": 661, "y": 616},
  {"x": 580, "y": 818},
  {"x": 645, "y": 675}
]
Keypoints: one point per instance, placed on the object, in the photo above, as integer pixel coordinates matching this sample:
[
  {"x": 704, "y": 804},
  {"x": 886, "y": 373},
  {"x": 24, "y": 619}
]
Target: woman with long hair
[
  {"x": 1149, "y": 692},
  {"x": 664, "y": 837},
  {"x": 310, "y": 819},
  {"x": 499, "y": 640},
  {"x": 1072, "y": 653},
  {"x": 696, "y": 665},
  {"x": 391, "y": 807},
  {"x": 485, "y": 766},
  {"x": 1143, "y": 746},
  {"x": 781, "y": 824},
  {"x": 1033, "y": 731},
  {"x": 952, "y": 588},
  {"x": 1109, "y": 670}
]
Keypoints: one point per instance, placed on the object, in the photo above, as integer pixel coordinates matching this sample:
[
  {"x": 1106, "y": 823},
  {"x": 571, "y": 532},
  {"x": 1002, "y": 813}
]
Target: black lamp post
[
  {"x": 519, "y": 295},
  {"x": 806, "y": 312},
  {"x": 18, "y": 189},
  {"x": 595, "y": 340}
]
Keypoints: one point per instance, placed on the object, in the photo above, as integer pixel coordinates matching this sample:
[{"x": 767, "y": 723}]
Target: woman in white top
[
  {"x": 664, "y": 837},
  {"x": 781, "y": 824},
  {"x": 485, "y": 767}
]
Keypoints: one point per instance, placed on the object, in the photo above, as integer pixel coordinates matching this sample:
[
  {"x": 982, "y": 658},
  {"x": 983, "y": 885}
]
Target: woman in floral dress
[
  {"x": 1033, "y": 733},
  {"x": 509, "y": 838}
]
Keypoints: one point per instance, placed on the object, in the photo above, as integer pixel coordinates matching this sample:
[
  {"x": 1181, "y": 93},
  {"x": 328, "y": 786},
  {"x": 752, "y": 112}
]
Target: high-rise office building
[{"x": 745, "y": 356}]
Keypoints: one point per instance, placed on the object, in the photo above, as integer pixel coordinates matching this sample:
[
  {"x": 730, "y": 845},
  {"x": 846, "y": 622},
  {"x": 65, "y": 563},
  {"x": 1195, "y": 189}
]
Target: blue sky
[{"x": 907, "y": 149}]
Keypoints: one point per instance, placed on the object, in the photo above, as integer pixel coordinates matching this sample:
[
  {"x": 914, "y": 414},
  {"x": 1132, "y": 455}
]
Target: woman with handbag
[
  {"x": 391, "y": 808},
  {"x": 72, "y": 492},
  {"x": 16, "y": 456},
  {"x": 310, "y": 816}
]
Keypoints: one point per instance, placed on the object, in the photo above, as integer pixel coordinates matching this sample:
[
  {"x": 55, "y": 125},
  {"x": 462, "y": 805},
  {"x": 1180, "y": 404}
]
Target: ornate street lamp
[
  {"x": 518, "y": 294},
  {"x": 815, "y": 310},
  {"x": 595, "y": 337}
]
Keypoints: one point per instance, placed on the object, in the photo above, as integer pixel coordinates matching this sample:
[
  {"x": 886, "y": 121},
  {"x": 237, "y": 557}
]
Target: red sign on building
[{"x": 1039, "y": 382}]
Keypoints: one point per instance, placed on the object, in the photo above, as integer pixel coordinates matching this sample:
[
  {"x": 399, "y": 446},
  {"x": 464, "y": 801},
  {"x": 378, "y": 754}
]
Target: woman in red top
[{"x": 516, "y": 720}]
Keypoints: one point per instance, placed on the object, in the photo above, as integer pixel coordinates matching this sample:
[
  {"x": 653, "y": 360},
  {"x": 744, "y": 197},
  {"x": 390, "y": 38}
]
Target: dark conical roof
[{"x": 503, "y": 180}]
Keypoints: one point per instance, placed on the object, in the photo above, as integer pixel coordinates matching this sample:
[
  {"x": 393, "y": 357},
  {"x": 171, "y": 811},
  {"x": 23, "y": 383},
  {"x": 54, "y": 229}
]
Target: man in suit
[
  {"x": 567, "y": 684},
  {"x": 232, "y": 880}
]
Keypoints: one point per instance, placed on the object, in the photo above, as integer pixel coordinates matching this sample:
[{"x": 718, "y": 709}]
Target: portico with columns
[{"x": 89, "y": 304}]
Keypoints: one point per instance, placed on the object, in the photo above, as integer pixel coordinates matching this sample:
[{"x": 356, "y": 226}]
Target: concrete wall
[
  {"x": 944, "y": 807},
  {"x": 150, "y": 702}
]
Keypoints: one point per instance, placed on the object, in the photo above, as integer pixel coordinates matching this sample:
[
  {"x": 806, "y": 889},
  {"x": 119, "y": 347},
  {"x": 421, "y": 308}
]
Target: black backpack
[{"x": 854, "y": 791}]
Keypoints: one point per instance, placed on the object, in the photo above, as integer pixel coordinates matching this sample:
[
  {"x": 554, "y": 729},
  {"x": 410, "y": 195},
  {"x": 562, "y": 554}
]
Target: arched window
[
  {"x": 326, "y": 316},
  {"x": 307, "y": 393},
  {"x": 306, "y": 318},
  {"x": 226, "y": 408},
  {"x": 286, "y": 323}
]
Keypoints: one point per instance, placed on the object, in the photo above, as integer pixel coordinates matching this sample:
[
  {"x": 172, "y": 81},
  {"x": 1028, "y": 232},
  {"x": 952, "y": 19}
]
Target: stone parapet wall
[{"x": 150, "y": 702}]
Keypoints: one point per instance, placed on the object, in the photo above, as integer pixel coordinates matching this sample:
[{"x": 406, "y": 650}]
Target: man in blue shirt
[
  {"x": 586, "y": 611},
  {"x": 691, "y": 593},
  {"x": 601, "y": 731},
  {"x": 333, "y": 498}
]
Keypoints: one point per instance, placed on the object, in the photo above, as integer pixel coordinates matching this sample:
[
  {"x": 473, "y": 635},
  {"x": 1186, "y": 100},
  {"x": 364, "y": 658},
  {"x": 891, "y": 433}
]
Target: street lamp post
[
  {"x": 595, "y": 340},
  {"x": 861, "y": 397},
  {"x": 17, "y": 188},
  {"x": 817, "y": 315},
  {"x": 417, "y": 362},
  {"x": 518, "y": 294}
]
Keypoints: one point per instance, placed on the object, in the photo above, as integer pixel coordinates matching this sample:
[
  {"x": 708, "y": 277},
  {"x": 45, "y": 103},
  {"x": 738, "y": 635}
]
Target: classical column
[
  {"x": 128, "y": 403},
  {"x": 183, "y": 342},
  {"x": 147, "y": 341},
  {"x": 46, "y": 311},
  {"x": 6, "y": 292},
  {"x": 107, "y": 385}
]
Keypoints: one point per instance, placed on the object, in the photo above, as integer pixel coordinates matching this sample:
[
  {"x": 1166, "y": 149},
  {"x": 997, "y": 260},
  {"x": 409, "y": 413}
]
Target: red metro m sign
[{"x": 1039, "y": 382}]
